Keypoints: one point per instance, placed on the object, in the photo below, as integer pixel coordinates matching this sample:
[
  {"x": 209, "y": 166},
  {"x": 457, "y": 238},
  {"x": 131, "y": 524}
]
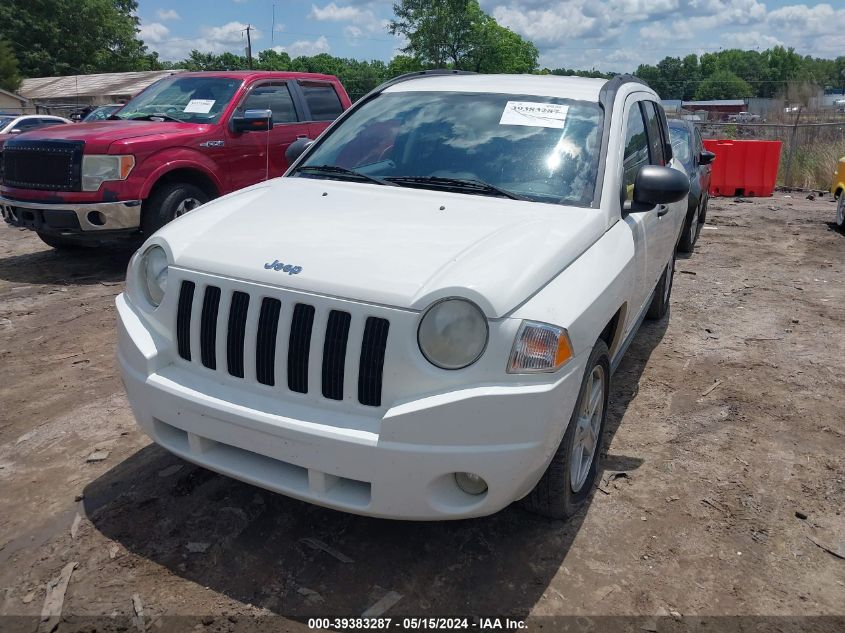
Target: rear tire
[
  {"x": 568, "y": 481},
  {"x": 702, "y": 217},
  {"x": 691, "y": 230},
  {"x": 60, "y": 243},
  {"x": 660, "y": 302},
  {"x": 168, "y": 202}
]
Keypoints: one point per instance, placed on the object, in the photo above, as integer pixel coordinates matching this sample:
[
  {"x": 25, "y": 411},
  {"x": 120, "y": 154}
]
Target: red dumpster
[{"x": 744, "y": 168}]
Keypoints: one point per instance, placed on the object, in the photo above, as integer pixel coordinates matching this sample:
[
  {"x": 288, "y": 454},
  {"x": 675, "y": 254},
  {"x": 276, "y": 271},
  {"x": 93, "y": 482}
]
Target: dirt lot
[{"x": 728, "y": 418}]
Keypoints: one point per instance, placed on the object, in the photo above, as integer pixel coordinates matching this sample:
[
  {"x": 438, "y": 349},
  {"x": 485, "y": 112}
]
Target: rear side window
[
  {"x": 322, "y": 101},
  {"x": 275, "y": 97},
  {"x": 636, "y": 148},
  {"x": 655, "y": 134}
]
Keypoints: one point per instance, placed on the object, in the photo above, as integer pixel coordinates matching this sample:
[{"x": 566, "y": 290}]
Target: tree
[
  {"x": 723, "y": 84},
  {"x": 458, "y": 34},
  {"x": 10, "y": 78},
  {"x": 497, "y": 49},
  {"x": 63, "y": 37}
]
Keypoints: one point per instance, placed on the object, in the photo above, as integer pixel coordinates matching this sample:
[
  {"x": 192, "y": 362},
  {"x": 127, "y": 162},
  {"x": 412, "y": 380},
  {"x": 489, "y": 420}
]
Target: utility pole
[{"x": 248, "y": 46}]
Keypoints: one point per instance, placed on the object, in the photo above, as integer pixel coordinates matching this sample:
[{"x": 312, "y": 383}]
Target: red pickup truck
[{"x": 182, "y": 141}]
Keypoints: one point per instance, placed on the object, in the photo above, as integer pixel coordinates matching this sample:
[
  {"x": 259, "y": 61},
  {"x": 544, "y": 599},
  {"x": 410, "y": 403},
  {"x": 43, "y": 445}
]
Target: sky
[{"x": 611, "y": 35}]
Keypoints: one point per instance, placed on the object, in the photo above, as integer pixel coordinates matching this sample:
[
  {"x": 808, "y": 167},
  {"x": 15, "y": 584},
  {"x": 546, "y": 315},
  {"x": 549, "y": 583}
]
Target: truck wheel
[
  {"x": 702, "y": 217},
  {"x": 168, "y": 202},
  {"x": 840, "y": 212},
  {"x": 59, "y": 242},
  {"x": 568, "y": 480},
  {"x": 691, "y": 230},
  {"x": 660, "y": 302}
]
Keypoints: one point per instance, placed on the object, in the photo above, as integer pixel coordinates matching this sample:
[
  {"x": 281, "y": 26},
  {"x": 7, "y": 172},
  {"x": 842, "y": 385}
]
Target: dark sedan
[{"x": 688, "y": 148}]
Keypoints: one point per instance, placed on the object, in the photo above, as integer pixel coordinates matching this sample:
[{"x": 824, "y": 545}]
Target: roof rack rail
[{"x": 415, "y": 75}]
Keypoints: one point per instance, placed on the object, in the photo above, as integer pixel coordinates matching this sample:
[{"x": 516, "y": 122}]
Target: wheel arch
[{"x": 190, "y": 175}]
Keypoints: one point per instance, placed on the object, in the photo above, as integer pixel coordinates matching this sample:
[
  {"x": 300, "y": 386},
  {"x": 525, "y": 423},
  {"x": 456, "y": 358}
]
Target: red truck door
[{"x": 252, "y": 154}]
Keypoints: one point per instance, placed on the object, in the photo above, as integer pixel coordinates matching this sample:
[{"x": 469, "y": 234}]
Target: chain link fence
[{"x": 809, "y": 153}]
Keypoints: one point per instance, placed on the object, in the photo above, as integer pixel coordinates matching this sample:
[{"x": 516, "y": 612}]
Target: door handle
[{"x": 662, "y": 210}]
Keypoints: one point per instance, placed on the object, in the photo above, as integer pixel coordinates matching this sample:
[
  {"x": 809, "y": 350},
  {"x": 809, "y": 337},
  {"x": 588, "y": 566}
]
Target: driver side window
[{"x": 636, "y": 149}]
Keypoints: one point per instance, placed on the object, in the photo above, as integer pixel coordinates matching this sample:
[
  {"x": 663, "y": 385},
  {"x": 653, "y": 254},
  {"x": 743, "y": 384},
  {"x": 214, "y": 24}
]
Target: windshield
[
  {"x": 188, "y": 99},
  {"x": 101, "y": 114},
  {"x": 681, "y": 144},
  {"x": 5, "y": 120},
  {"x": 539, "y": 148}
]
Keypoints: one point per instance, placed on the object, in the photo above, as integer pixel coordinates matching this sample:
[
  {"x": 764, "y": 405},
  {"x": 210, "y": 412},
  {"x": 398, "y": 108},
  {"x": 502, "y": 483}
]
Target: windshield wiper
[
  {"x": 456, "y": 184},
  {"x": 154, "y": 115},
  {"x": 336, "y": 170}
]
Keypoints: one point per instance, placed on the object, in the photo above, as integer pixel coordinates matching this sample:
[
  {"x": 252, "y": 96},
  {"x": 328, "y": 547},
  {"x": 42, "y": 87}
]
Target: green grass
[{"x": 813, "y": 165}]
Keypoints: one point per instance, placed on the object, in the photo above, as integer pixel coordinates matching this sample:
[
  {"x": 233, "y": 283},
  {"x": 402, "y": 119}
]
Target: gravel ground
[{"x": 727, "y": 424}]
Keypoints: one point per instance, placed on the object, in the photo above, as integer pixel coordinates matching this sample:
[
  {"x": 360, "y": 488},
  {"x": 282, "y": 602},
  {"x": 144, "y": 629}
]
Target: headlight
[
  {"x": 453, "y": 334},
  {"x": 539, "y": 347},
  {"x": 99, "y": 168},
  {"x": 153, "y": 271}
]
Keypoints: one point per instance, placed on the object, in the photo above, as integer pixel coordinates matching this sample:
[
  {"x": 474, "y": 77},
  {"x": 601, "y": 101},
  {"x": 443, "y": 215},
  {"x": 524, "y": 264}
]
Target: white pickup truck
[{"x": 420, "y": 320}]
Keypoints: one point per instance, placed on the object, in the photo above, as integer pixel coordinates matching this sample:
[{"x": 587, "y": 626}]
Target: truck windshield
[
  {"x": 543, "y": 149},
  {"x": 188, "y": 99}
]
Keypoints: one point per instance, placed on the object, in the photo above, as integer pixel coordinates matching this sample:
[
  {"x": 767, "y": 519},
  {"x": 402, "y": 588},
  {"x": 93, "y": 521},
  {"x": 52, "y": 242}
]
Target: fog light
[
  {"x": 97, "y": 218},
  {"x": 471, "y": 483}
]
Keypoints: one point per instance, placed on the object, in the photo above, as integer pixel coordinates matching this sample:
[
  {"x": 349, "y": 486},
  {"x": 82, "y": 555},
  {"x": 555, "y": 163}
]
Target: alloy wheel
[{"x": 588, "y": 425}]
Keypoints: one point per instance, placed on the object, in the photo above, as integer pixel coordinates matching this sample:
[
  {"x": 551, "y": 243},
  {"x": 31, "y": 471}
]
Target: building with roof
[
  {"x": 78, "y": 91},
  {"x": 715, "y": 109},
  {"x": 12, "y": 103}
]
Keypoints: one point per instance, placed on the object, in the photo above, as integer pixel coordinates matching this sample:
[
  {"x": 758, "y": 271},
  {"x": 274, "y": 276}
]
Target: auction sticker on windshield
[
  {"x": 534, "y": 114},
  {"x": 199, "y": 106}
]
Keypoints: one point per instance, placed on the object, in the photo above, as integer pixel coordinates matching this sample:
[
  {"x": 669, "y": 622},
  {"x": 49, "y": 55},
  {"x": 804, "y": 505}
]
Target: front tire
[
  {"x": 660, "y": 302},
  {"x": 568, "y": 481},
  {"x": 168, "y": 202},
  {"x": 840, "y": 212}
]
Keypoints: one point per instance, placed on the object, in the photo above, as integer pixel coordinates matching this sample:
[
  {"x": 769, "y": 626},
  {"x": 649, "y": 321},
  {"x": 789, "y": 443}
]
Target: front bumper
[
  {"x": 320, "y": 457},
  {"x": 72, "y": 218}
]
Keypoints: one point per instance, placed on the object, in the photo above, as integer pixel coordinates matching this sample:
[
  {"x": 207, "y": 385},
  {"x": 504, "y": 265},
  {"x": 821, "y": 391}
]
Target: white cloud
[
  {"x": 361, "y": 20},
  {"x": 167, "y": 14},
  {"x": 153, "y": 33},
  {"x": 750, "y": 40},
  {"x": 334, "y": 13},
  {"x": 305, "y": 47}
]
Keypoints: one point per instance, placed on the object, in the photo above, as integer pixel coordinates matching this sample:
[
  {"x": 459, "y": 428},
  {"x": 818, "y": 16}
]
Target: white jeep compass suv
[{"x": 420, "y": 320}]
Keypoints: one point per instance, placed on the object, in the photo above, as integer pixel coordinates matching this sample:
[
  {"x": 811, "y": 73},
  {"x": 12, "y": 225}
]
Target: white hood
[{"x": 394, "y": 246}]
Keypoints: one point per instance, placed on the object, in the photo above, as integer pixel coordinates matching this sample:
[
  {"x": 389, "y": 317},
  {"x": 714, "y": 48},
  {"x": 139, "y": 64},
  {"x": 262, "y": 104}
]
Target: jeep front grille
[{"x": 265, "y": 337}]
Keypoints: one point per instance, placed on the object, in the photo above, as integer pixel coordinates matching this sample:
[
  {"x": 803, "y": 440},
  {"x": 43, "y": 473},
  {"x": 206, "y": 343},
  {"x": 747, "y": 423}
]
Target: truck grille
[
  {"x": 50, "y": 165},
  {"x": 267, "y": 337}
]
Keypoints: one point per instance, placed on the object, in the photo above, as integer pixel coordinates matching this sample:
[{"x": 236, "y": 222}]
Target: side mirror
[
  {"x": 296, "y": 149},
  {"x": 657, "y": 185},
  {"x": 17, "y": 130},
  {"x": 706, "y": 158},
  {"x": 253, "y": 121}
]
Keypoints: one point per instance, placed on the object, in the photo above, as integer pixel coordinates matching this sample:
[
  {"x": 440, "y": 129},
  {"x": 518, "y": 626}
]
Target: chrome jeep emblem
[{"x": 290, "y": 269}]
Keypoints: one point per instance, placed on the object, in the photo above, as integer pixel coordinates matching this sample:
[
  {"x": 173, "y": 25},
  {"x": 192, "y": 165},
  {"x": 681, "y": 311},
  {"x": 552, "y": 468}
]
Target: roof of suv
[{"x": 579, "y": 88}]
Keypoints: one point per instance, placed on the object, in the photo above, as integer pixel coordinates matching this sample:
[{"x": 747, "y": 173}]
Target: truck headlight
[
  {"x": 539, "y": 347},
  {"x": 153, "y": 271},
  {"x": 453, "y": 334},
  {"x": 99, "y": 168}
]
